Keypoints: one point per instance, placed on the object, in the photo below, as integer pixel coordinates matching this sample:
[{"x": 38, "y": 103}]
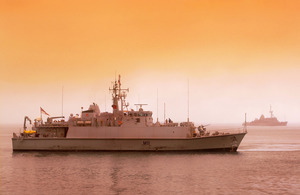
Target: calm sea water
[{"x": 267, "y": 162}]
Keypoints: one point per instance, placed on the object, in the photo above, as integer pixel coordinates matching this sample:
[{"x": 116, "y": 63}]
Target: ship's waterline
[{"x": 222, "y": 143}]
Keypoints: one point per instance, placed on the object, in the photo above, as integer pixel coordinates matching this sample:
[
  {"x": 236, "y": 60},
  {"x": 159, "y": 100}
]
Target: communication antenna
[
  {"x": 62, "y": 101},
  {"x": 164, "y": 112},
  {"x": 188, "y": 102},
  {"x": 105, "y": 102},
  {"x": 157, "y": 104}
]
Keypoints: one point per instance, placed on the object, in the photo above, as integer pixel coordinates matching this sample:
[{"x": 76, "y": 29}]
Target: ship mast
[{"x": 118, "y": 94}]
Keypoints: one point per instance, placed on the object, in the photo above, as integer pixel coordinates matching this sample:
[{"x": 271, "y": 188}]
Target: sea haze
[{"x": 267, "y": 162}]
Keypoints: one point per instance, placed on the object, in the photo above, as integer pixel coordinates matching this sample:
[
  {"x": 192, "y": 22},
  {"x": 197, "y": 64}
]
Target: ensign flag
[{"x": 44, "y": 112}]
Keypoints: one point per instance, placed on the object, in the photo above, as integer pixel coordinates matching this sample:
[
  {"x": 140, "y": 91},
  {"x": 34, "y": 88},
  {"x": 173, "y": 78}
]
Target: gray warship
[
  {"x": 120, "y": 130},
  {"x": 266, "y": 121}
]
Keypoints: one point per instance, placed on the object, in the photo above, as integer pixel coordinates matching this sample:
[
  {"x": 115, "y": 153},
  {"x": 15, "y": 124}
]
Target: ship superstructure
[{"x": 122, "y": 130}]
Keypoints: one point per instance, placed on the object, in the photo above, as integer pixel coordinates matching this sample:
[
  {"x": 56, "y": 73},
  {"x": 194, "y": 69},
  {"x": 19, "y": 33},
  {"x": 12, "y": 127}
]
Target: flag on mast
[{"x": 44, "y": 112}]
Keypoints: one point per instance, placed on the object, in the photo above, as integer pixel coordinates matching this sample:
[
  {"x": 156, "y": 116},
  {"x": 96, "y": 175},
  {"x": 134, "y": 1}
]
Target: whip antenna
[
  {"x": 188, "y": 102},
  {"x": 62, "y": 101},
  {"x": 157, "y": 104}
]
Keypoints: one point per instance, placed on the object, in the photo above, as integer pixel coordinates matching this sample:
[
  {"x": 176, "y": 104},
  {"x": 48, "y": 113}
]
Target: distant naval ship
[
  {"x": 263, "y": 121},
  {"x": 120, "y": 130}
]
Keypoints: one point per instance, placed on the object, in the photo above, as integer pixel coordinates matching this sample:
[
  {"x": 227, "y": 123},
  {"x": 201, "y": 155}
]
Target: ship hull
[{"x": 228, "y": 142}]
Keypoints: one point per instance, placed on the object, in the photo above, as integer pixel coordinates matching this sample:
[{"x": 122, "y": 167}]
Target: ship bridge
[
  {"x": 139, "y": 117},
  {"x": 140, "y": 113}
]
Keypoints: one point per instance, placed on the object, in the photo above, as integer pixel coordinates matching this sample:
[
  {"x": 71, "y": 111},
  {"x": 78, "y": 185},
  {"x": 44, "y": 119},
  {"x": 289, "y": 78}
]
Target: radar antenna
[{"x": 140, "y": 105}]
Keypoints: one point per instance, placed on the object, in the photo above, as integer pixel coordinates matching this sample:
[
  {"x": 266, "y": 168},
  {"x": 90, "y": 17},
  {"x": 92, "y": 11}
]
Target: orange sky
[{"x": 80, "y": 44}]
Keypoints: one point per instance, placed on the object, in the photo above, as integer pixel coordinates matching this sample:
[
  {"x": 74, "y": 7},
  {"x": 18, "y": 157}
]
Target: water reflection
[
  {"x": 115, "y": 187},
  {"x": 257, "y": 167}
]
